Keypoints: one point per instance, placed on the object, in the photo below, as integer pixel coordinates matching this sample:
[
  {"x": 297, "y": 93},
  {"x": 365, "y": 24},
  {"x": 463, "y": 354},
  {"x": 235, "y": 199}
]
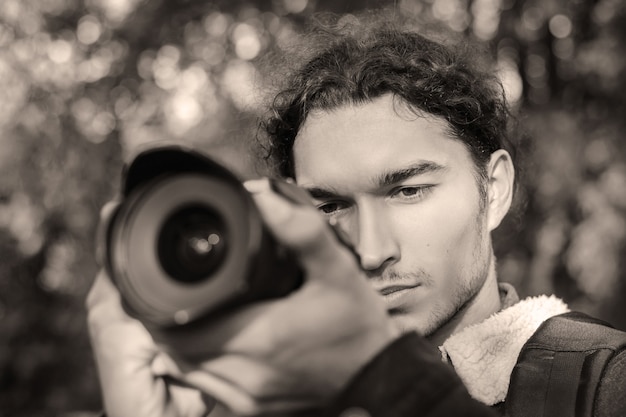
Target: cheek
[{"x": 440, "y": 237}]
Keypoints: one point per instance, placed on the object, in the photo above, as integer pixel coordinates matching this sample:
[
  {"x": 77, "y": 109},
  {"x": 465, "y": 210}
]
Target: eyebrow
[
  {"x": 386, "y": 179},
  {"x": 320, "y": 193},
  {"x": 394, "y": 177}
]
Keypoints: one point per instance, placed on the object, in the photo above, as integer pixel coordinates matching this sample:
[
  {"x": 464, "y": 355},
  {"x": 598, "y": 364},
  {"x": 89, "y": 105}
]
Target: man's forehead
[{"x": 383, "y": 116}]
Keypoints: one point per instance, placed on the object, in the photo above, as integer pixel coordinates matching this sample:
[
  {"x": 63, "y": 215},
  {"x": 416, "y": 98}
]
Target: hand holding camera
[
  {"x": 289, "y": 340},
  {"x": 133, "y": 371}
]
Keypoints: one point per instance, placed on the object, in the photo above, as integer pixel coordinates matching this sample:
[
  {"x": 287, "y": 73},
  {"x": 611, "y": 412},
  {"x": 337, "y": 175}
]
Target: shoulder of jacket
[{"x": 575, "y": 331}]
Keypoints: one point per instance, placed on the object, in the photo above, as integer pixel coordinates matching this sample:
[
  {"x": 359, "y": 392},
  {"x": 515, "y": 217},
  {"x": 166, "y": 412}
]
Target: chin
[
  {"x": 433, "y": 325},
  {"x": 407, "y": 323}
]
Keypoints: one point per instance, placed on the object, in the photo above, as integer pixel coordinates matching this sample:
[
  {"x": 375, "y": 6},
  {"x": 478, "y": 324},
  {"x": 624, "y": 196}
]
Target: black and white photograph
[{"x": 312, "y": 208}]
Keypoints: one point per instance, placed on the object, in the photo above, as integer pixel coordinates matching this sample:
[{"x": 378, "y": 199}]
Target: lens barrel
[{"x": 187, "y": 243}]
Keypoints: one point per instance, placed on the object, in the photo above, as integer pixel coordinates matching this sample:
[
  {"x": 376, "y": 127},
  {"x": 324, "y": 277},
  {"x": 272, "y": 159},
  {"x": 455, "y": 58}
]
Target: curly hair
[{"x": 360, "y": 61}]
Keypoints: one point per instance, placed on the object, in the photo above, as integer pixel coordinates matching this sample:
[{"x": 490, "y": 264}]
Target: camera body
[{"x": 187, "y": 243}]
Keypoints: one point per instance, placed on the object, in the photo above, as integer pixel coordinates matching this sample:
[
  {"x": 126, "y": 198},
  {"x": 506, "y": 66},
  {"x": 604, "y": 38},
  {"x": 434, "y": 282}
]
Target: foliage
[{"x": 84, "y": 83}]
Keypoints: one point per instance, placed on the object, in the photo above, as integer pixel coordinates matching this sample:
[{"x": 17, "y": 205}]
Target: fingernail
[
  {"x": 291, "y": 192},
  {"x": 257, "y": 185}
]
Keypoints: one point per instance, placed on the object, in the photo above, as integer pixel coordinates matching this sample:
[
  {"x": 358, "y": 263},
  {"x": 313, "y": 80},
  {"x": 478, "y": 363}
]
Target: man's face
[{"x": 406, "y": 194}]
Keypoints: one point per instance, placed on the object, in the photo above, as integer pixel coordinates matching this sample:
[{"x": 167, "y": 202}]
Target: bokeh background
[{"x": 84, "y": 82}]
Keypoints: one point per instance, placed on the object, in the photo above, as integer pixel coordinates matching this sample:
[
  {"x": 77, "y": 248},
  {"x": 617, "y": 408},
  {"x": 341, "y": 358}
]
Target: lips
[
  {"x": 398, "y": 296},
  {"x": 394, "y": 288}
]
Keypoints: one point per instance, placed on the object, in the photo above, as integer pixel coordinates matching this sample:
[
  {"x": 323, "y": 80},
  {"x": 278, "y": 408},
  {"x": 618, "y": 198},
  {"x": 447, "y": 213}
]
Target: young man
[{"x": 401, "y": 142}]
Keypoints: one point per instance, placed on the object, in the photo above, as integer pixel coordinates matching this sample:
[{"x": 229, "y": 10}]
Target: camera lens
[{"x": 192, "y": 243}]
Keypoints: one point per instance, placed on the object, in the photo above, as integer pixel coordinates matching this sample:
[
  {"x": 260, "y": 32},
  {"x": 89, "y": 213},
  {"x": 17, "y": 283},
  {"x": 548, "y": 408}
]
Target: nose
[{"x": 374, "y": 239}]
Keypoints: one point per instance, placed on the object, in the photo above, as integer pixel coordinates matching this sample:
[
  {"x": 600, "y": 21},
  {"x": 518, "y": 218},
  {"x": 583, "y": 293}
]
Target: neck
[{"x": 482, "y": 305}]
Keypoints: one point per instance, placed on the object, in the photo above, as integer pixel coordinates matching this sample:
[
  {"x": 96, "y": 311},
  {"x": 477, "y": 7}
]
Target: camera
[{"x": 187, "y": 243}]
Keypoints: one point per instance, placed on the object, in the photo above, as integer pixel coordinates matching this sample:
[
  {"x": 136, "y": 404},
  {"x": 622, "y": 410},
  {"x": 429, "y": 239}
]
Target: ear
[{"x": 501, "y": 176}]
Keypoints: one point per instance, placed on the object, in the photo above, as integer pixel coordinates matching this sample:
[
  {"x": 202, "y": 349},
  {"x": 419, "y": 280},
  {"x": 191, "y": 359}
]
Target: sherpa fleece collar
[{"x": 484, "y": 354}]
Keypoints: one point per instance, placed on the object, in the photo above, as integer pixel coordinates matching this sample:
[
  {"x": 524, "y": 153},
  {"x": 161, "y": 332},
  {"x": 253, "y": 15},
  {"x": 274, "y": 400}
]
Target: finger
[
  {"x": 190, "y": 400},
  {"x": 238, "y": 398},
  {"x": 121, "y": 345},
  {"x": 185, "y": 401},
  {"x": 107, "y": 209},
  {"x": 113, "y": 332},
  {"x": 221, "y": 333},
  {"x": 257, "y": 377},
  {"x": 223, "y": 391},
  {"x": 106, "y": 215},
  {"x": 296, "y": 225},
  {"x": 126, "y": 355},
  {"x": 301, "y": 228},
  {"x": 163, "y": 365},
  {"x": 104, "y": 296}
]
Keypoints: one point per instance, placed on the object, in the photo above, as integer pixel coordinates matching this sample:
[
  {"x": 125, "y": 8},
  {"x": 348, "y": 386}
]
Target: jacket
[{"x": 469, "y": 374}]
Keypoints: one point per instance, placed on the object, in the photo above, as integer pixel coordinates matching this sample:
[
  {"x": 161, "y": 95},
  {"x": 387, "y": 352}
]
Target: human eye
[
  {"x": 411, "y": 193},
  {"x": 331, "y": 208}
]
